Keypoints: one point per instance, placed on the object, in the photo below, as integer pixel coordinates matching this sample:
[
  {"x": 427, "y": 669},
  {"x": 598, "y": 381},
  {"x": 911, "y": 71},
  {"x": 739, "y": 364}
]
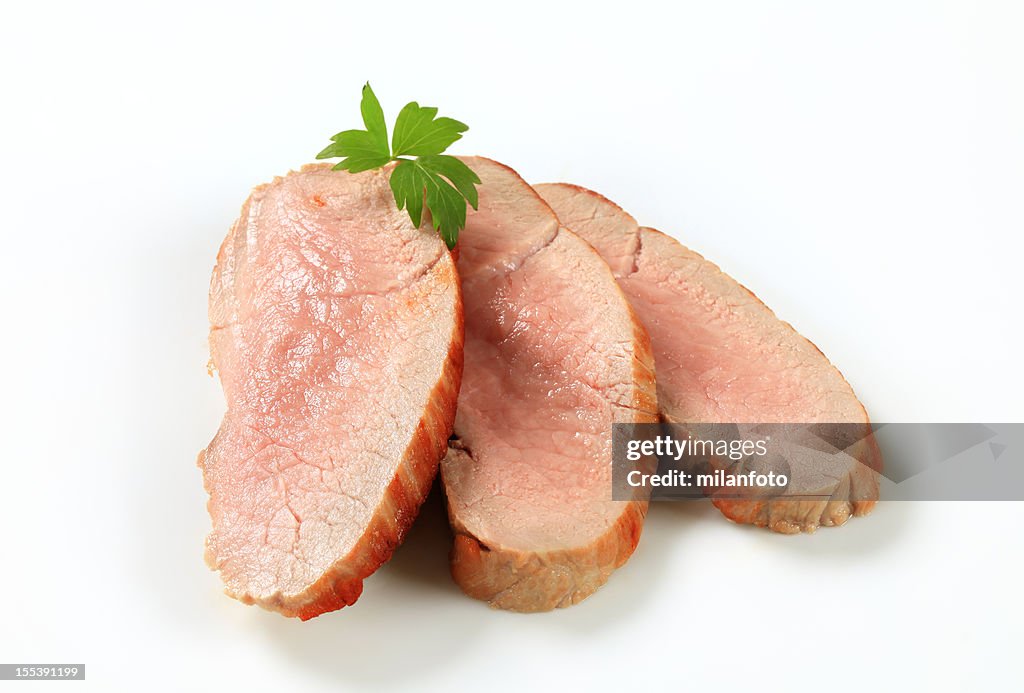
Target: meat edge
[
  {"x": 536, "y": 581},
  {"x": 777, "y": 515},
  {"x": 342, "y": 584},
  {"x": 529, "y": 582},
  {"x": 796, "y": 516}
]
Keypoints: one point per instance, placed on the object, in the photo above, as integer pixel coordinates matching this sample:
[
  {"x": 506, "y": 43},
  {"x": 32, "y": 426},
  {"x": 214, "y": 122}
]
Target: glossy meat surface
[
  {"x": 336, "y": 329},
  {"x": 722, "y": 356},
  {"x": 554, "y": 356}
]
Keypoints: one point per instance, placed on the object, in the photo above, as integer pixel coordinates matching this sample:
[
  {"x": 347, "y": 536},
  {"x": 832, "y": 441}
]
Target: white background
[{"x": 858, "y": 165}]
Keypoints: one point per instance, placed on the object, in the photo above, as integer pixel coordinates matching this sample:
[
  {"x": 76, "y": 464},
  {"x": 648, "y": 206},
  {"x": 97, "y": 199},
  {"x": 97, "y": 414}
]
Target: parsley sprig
[{"x": 422, "y": 170}]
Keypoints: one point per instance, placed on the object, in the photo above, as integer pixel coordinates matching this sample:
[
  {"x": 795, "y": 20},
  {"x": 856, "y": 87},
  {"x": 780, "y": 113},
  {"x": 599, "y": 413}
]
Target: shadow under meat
[
  {"x": 423, "y": 556},
  {"x": 410, "y": 618}
]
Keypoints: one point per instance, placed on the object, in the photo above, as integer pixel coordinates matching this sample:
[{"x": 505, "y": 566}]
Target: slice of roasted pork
[
  {"x": 723, "y": 357},
  {"x": 337, "y": 332},
  {"x": 554, "y": 356}
]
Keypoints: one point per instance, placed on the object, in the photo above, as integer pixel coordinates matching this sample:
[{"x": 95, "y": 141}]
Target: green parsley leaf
[
  {"x": 447, "y": 202},
  {"x": 446, "y": 183},
  {"x": 460, "y": 175},
  {"x": 373, "y": 118},
  {"x": 418, "y": 133},
  {"x": 364, "y": 149},
  {"x": 408, "y": 183}
]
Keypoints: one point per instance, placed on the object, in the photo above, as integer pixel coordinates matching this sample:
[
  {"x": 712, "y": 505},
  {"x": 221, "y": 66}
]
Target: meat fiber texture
[
  {"x": 554, "y": 356},
  {"x": 337, "y": 331},
  {"x": 723, "y": 357}
]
